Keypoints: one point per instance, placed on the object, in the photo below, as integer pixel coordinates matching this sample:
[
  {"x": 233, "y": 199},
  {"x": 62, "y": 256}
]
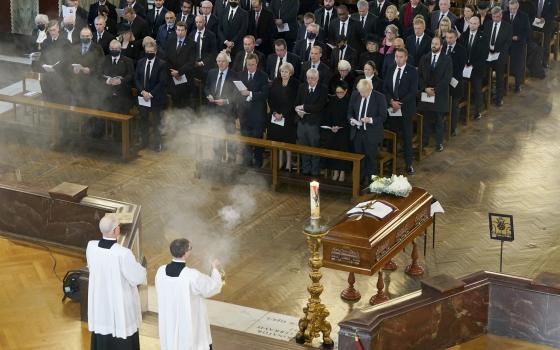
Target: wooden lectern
[{"x": 366, "y": 244}]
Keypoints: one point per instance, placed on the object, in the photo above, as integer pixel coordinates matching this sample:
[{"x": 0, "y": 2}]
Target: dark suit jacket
[
  {"x": 140, "y": 28},
  {"x": 263, "y": 30},
  {"x": 302, "y": 34},
  {"x": 209, "y": 49},
  {"x": 237, "y": 64},
  {"x": 503, "y": 39},
  {"x": 350, "y": 55},
  {"x": 434, "y": 19},
  {"x": 417, "y": 52},
  {"x": 325, "y": 72},
  {"x": 418, "y": 10},
  {"x": 478, "y": 53},
  {"x": 234, "y": 30},
  {"x": 54, "y": 51},
  {"x": 219, "y": 8},
  {"x": 104, "y": 42},
  {"x": 157, "y": 84},
  {"x": 300, "y": 48},
  {"x": 459, "y": 59},
  {"x": 155, "y": 23},
  {"x": 408, "y": 88},
  {"x": 377, "y": 10},
  {"x": 521, "y": 27},
  {"x": 189, "y": 22},
  {"x": 377, "y": 110},
  {"x": 287, "y": 11},
  {"x": 272, "y": 60},
  {"x": 123, "y": 68},
  {"x": 254, "y": 111},
  {"x": 353, "y": 34},
  {"x": 75, "y": 36},
  {"x": 389, "y": 62},
  {"x": 173, "y": 5},
  {"x": 181, "y": 59},
  {"x": 438, "y": 79},
  {"x": 94, "y": 12},
  {"x": 549, "y": 11},
  {"x": 229, "y": 92},
  {"x": 212, "y": 24},
  {"x": 163, "y": 34},
  {"x": 320, "y": 18},
  {"x": 368, "y": 28},
  {"x": 314, "y": 103},
  {"x": 460, "y": 24}
]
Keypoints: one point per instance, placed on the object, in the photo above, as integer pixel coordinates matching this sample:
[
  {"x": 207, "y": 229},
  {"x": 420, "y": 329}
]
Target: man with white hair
[
  {"x": 367, "y": 20},
  {"x": 443, "y": 11},
  {"x": 114, "y": 313},
  {"x": 70, "y": 32},
  {"x": 181, "y": 290},
  {"x": 210, "y": 19},
  {"x": 102, "y": 37}
]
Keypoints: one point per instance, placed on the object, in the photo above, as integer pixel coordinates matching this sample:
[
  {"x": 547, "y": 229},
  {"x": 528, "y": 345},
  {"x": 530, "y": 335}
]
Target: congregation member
[
  {"x": 180, "y": 62},
  {"x": 389, "y": 59},
  {"x": 166, "y": 30},
  {"x": 484, "y": 13},
  {"x": 232, "y": 27},
  {"x": 521, "y": 29},
  {"x": 211, "y": 21},
  {"x": 110, "y": 23},
  {"x": 368, "y": 21},
  {"x": 344, "y": 26},
  {"x": 55, "y": 48},
  {"x": 94, "y": 11},
  {"x": 400, "y": 88},
  {"x": 325, "y": 14},
  {"x": 79, "y": 13},
  {"x": 185, "y": 15},
  {"x": 102, "y": 37},
  {"x": 205, "y": 48},
  {"x": 281, "y": 100},
  {"x": 390, "y": 18},
  {"x": 134, "y": 5},
  {"x": 315, "y": 63},
  {"x": 386, "y": 45},
  {"x": 367, "y": 111},
  {"x": 239, "y": 63},
  {"x": 371, "y": 74},
  {"x": 114, "y": 313},
  {"x": 284, "y": 13},
  {"x": 39, "y": 34},
  {"x": 311, "y": 100},
  {"x": 438, "y": 15},
  {"x": 434, "y": 74},
  {"x": 344, "y": 73},
  {"x": 462, "y": 24},
  {"x": 261, "y": 26},
  {"x": 280, "y": 56},
  {"x": 181, "y": 293},
  {"x": 130, "y": 47},
  {"x": 500, "y": 40},
  {"x": 137, "y": 24},
  {"x": 546, "y": 12},
  {"x": 343, "y": 52},
  {"x": 371, "y": 53},
  {"x": 409, "y": 12},
  {"x": 308, "y": 19},
  {"x": 379, "y": 7},
  {"x": 302, "y": 48},
  {"x": 151, "y": 79},
  {"x": 458, "y": 56},
  {"x": 70, "y": 32},
  {"x": 156, "y": 17},
  {"x": 419, "y": 43}
]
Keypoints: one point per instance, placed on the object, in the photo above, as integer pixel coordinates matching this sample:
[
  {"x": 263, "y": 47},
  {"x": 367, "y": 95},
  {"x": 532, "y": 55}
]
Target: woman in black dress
[
  {"x": 281, "y": 100},
  {"x": 371, "y": 74},
  {"x": 337, "y": 135}
]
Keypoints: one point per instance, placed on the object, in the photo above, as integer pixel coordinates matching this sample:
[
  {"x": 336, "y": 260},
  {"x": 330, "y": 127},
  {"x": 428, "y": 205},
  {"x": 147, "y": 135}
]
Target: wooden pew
[
  {"x": 388, "y": 154},
  {"x": 275, "y": 146},
  {"x": 73, "y": 110}
]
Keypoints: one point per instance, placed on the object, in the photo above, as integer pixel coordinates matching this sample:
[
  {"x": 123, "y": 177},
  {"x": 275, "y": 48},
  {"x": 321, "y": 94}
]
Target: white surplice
[
  {"x": 113, "y": 299},
  {"x": 183, "y": 318}
]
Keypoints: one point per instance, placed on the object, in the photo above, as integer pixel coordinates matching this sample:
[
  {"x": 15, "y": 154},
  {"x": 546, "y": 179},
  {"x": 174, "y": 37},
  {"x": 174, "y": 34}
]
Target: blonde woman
[
  {"x": 391, "y": 18},
  {"x": 444, "y": 27}
]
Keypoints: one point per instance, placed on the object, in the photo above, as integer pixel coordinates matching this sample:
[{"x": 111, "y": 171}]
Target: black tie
[
  {"x": 157, "y": 14},
  {"x": 311, "y": 90},
  {"x": 147, "y": 74},
  {"x": 449, "y": 48},
  {"x": 114, "y": 61},
  {"x": 230, "y": 16},
  {"x": 471, "y": 40},
  {"x": 417, "y": 43},
  {"x": 434, "y": 62},
  {"x": 362, "y": 21},
  {"x": 198, "y": 46},
  {"x": 341, "y": 55},
  {"x": 397, "y": 83},
  {"x": 512, "y": 15},
  {"x": 494, "y": 34},
  {"x": 279, "y": 65},
  {"x": 342, "y": 29},
  {"x": 179, "y": 44},
  {"x": 250, "y": 76},
  {"x": 363, "y": 109},
  {"x": 98, "y": 37},
  {"x": 440, "y": 18},
  {"x": 307, "y": 52},
  {"x": 217, "y": 91},
  {"x": 328, "y": 20}
]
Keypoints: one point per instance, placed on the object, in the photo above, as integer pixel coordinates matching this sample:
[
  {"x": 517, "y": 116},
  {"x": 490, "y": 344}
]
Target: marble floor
[{"x": 506, "y": 162}]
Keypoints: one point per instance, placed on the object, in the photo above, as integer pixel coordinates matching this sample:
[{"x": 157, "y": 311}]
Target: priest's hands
[{"x": 216, "y": 264}]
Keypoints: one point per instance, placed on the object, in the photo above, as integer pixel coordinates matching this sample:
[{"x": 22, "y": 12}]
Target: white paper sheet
[
  {"x": 436, "y": 208},
  {"x": 48, "y": 68},
  {"x": 120, "y": 12},
  {"x": 371, "y": 208},
  {"x": 326, "y": 127},
  {"x": 355, "y": 122},
  {"x": 493, "y": 56},
  {"x": 278, "y": 122},
  {"x": 283, "y": 28},
  {"x": 538, "y": 23},
  {"x": 144, "y": 103},
  {"x": 239, "y": 85},
  {"x": 77, "y": 66},
  {"x": 454, "y": 82},
  {"x": 429, "y": 99},
  {"x": 67, "y": 11},
  {"x": 393, "y": 113},
  {"x": 467, "y": 71},
  {"x": 182, "y": 80}
]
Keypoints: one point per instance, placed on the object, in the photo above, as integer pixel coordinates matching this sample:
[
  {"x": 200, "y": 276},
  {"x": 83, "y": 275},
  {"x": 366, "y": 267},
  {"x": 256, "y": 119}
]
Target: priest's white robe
[
  {"x": 183, "y": 318},
  {"x": 113, "y": 299}
]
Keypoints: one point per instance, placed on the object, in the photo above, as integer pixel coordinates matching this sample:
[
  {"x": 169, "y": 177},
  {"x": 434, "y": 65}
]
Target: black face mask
[
  {"x": 85, "y": 41},
  {"x": 41, "y": 27},
  {"x": 233, "y": 4},
  {"x": 311, "y": 36},
  {"x": 150, "y": 55},
  {"x": 115, "y": 53},
  {"x": 69, "y": 27}
]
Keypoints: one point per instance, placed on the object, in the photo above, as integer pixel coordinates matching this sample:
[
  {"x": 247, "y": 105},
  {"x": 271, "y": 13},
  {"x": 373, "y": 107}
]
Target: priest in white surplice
[
  {"x": 114, "y": 313},
  {"x": 183, "y": 319}
]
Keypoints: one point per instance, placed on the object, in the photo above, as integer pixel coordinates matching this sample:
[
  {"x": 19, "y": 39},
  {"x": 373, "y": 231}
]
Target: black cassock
[{"x": 108, "y": 342}]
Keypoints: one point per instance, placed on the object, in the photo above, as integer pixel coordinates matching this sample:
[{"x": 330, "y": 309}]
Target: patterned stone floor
[{"x": 507, "y": 162}]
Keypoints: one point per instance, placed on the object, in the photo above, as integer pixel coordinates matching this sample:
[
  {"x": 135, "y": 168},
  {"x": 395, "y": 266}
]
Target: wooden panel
[
  {"x": 49, "y": 8},
  {"x": 6, "y": 22}
]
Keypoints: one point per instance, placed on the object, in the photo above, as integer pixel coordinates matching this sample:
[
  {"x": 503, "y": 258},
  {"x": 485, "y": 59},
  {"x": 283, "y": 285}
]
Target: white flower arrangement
[{"x": 396, "y": 185}]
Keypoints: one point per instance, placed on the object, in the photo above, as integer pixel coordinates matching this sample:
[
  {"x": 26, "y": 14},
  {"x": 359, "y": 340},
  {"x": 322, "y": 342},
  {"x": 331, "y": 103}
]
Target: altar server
[
  {"x": 114, "y": 313},
  {"x": 183, "y": 319}
]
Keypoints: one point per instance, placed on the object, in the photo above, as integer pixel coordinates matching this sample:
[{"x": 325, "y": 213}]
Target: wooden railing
[{"x": 124, "y": 119}]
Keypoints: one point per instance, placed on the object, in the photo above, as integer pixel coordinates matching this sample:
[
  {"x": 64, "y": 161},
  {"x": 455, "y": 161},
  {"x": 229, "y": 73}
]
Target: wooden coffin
[{"x": 365, "y": 244}]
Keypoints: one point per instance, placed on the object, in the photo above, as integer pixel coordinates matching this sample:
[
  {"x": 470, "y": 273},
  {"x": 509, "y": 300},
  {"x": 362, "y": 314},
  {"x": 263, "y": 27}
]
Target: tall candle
[{"x": 314, "y": 200}]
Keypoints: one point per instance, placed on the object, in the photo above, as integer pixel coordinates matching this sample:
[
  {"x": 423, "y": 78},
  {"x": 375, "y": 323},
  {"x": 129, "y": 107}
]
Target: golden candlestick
[{"x": 314, "y": 321}]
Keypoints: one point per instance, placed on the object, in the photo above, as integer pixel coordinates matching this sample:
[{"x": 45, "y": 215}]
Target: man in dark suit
[
  {"x": 136, "y": 6},
  {"x": 232, "y": 28},
  {"x": 221, "y": 95},
  {"x": 70, "y": 31},
  {"x": 367, "y": 20},
  {"x": 443, "y": 11},
  {"x": 240, "y": 60},
  {"x": 408, "y": 13},
  {"x": 81, "y": 15},
  {"x": 308, "y": 19},
  {"x": 476, "y": 43},
  {"x": 458, "y": 55},
  {"x": 325, "y": 14},
  {"x": 55, "y": 48},
  {"x": 311, "y": 100},
  {"x": 205, "y": 47},
  {"x": 280, "y": 56},
  {"x": 389, "y": 60},
  {"x": 180, "y": 58},
  {"x": 102, "y": 37},
  {"x": 302, "y": 48},
  {"x": 500, "y": 40},
  {"x": 325, "y": 72},
  {"x": 345, "y": 26},
  {"x": 261, "y": 26},
  {"x": 220, "y": 8},
  {"x": 378, "y": 7},
  {"x": 252, "y": 108},
  {"x": 94, "y": 11},
  {"x": 400, "y": 88},
  {"x": 210, "y": 19},
  {"x": 521, "y": 29},
  {"x": 434, "y": 74},
  {"x": 151, "y": 79},
  {"x": 343, "y": 52},
  {"x": 186, "y": 15},
  {"x": 166, "y": 30},
  {"x": 156, "y": 17},
  {"x": 367, "y": 111},
  {"x": 418, "y": 44},
  {"x": 547, "y": 10},
  {"x": 138, "y": 25},
  {"x": 115, "y": 65},
  {"x": 285, "y": 12}
]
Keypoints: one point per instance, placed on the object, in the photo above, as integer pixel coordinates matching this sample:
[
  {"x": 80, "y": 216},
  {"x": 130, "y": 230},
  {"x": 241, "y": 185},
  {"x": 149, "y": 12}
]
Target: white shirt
[
  {"x": 151, "y": 66},
  {"x": 497, "y": 32},
  {"x": 201, "y": 34},
  {"x": 234, "y": 11},
  {"x": 41, "y": 36},
  {"x": 340, "y": 32},
  {"x": 432, "y": 57},
  {"x": 284, "y": 60},
  {"x": 395, "y": 74},
  {"x": 329, "y": 12},
  {"x": 113, "y": 299},
  {"x": 366, "y": 101},
  {"x": 182, "y": 315},
  {"x": 419, "y": 38},
  {"x": 223, "y": 79},
  {"x": 69, "y": 34}
]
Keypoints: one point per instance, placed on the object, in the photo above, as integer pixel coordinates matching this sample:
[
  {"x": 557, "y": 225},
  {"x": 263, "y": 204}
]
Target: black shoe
[
  {"x": 410, "y": 170},
  {"x": 499, "y": 103},
  {"x": 478, "y": 116},
  {"x": 454, "y": 133},
  {"x": 439, "y": 147}
]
